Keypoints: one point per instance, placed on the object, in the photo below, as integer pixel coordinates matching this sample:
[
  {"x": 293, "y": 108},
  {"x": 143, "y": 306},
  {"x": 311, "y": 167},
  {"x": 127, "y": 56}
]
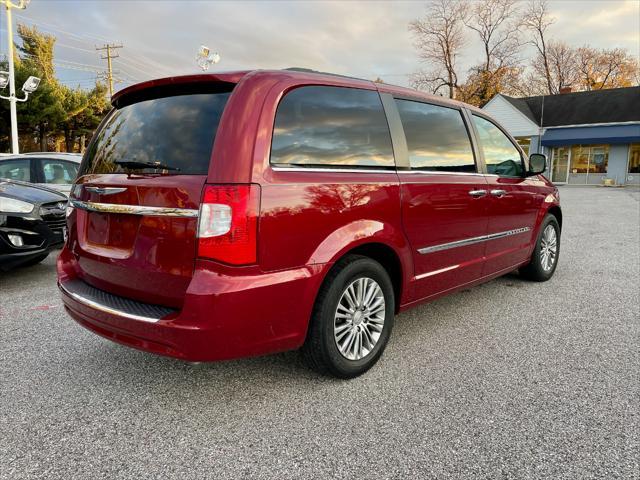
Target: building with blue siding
[{"x": 588, "y": 137}]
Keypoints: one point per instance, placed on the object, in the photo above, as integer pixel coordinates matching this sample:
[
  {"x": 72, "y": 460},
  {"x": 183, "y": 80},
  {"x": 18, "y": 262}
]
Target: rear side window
[
  {"x": 437, "y": 138},
  {"x": 331, "y": 126},
  {"x": 16, "y": 169},
  {"x": 500, "y": 155},
  {"x": 177, "y": 131}
]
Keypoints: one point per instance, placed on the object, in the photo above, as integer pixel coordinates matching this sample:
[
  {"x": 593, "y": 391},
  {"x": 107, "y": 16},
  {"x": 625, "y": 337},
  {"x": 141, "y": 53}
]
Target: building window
[
  {"x": 589, "y": 158},
  {"x": 525, "y": 143},
  {"x": 634, "y": 158}
]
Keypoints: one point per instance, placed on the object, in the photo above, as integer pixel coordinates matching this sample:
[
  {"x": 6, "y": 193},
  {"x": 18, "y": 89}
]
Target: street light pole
[{"x": 12, "y": 81}]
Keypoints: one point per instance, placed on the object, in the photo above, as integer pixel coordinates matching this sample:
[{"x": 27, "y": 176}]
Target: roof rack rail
[{"x": 310, "y": 70}]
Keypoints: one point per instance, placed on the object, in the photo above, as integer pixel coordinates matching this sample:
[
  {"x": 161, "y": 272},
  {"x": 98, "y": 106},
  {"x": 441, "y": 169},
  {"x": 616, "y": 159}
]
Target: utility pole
[
  {"x": 22, "y": 4},
  {"x": 109, "y": 47}
]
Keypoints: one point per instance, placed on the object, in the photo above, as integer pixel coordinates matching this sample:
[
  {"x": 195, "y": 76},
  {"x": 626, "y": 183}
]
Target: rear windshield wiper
[{"x": 136, "y": 164}]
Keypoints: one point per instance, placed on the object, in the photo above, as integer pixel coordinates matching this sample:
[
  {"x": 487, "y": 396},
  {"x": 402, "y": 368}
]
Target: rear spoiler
[{"x": 182, "y": 85}]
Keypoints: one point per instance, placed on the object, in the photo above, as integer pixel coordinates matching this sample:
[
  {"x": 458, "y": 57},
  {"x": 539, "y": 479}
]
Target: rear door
[
  {"x": 513, "y": 201},
  {"x": 134, "y": 227},
  {"x": 444, "y": 208}
]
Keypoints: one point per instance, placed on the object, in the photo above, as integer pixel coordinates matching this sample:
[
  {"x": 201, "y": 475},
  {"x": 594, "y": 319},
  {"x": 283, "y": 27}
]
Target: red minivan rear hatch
[{"x": 139, "y": 189}]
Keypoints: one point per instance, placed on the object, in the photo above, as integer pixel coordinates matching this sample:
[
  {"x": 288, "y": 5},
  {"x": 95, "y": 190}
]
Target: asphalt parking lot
[{"x": 507, "y": 380}]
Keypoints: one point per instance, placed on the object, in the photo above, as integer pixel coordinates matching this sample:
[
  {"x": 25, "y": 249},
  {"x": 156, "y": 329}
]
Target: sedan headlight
[{"x": 11, "y": 205}]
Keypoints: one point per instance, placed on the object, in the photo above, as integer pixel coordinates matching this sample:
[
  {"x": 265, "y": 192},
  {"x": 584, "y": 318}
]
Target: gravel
[{"x": 507, "y": 380}]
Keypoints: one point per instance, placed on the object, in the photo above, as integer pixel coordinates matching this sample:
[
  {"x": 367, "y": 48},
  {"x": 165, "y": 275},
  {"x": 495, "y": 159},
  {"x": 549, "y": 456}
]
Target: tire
[
  {"x": 35, "y": 260},
  {"x": 325, "y": 349},
  {"x": 541, "y": 267}
]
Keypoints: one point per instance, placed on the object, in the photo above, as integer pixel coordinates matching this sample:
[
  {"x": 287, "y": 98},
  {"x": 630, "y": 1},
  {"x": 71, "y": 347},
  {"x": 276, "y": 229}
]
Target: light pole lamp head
[
  {"x": 31, "y": 84},
  {"x": 205, "y": 58},
  {"x": 4, "y": 79}
]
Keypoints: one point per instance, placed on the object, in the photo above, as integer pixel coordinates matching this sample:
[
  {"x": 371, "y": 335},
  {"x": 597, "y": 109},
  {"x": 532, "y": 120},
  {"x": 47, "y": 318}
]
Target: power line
[
  {"x": 136, "y": 62},
  {"x": 56, "y": 28}
]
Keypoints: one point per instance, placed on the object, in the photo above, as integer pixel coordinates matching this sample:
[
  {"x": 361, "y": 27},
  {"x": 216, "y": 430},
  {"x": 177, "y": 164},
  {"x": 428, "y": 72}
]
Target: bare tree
[
  {"x": 563, "y": 65},
  {"x": 497, "y": 25},
  {"x": 439, "y": 38},
  {"x": 537, "y": 19},
  {"x": 600, "y": 69}
]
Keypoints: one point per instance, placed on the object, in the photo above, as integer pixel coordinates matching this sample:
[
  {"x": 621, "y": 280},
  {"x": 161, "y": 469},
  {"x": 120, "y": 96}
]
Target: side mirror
[{"x": 537, "y": 163}]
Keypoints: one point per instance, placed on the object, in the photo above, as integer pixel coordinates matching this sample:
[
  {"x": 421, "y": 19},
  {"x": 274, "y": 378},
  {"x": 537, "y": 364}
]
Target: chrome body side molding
[
  {"x": 134, "y": 209},
  {"x": 471, "y": 241}
]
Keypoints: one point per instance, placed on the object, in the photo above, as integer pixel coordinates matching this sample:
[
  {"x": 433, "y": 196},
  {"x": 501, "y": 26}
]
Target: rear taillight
[{"x": 228, "y": 223}]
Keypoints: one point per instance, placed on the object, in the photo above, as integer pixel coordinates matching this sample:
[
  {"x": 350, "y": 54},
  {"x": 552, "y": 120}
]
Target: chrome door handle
[
  {"x": 477, "y": 193},
  {"x": 498, "y": 193}
]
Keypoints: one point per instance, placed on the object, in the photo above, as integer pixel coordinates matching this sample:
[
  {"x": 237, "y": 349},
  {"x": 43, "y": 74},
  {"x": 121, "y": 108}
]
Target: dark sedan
[{"x": 32, "y": 222}]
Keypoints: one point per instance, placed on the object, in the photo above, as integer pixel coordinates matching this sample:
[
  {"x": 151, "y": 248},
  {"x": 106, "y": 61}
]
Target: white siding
[{"x": 516, "y": 123}]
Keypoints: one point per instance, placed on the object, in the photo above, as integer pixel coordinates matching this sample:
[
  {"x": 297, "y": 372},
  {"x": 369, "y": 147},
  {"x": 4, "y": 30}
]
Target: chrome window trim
[
  {"x": 473, "y": 240},
  {"x": 364, "y": 170},
  {"x": 105, "y": 308},
  {"x": 134, "y": 209},
  {"x": 278, "y": 168},
  {"x": 439, "y": 172}
]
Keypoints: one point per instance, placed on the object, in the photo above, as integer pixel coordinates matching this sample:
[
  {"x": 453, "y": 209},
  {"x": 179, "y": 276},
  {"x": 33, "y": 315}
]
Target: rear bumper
[{"x": 223, "y": 316}]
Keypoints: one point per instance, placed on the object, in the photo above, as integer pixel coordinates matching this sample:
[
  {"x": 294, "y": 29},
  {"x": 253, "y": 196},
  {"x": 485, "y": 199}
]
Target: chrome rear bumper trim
[
  {"x": 87, "y": 295},
  {"x": 134, "y": 209}
]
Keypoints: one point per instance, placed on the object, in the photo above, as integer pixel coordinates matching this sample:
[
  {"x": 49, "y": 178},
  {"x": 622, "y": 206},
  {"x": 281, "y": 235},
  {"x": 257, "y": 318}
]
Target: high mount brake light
[{"x": 228, "y": 223}]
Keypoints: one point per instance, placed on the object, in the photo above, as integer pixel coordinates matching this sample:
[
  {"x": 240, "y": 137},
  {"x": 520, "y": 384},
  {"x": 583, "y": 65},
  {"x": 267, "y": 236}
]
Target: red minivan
[{"x": 226, "y": 215}]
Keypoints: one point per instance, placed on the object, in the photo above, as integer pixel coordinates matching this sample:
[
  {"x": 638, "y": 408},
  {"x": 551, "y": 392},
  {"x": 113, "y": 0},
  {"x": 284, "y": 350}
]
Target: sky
[{"x": 366, "y": 39}]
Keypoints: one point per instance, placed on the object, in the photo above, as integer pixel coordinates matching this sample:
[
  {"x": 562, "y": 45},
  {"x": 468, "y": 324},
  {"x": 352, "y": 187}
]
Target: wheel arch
[
  {"x": 390, "y": 261},
  {"x": 556, "y": 211}
]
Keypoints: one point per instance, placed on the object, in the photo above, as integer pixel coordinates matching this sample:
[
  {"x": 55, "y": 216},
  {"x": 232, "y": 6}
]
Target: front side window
[
  {"x": 500, "y": 155},
  {"x": 634, "y": 158},
  {"x": 331, "y": 126},
  {"x": 16, "y": 170},
  {"x": 437, "y": 138},
  {"x": 59, "y": 172}
]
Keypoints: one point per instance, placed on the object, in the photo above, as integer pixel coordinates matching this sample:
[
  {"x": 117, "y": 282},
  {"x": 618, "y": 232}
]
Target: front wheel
[
  {"x": 352, "y": 318},
  {"x": 544, "y": 259}
]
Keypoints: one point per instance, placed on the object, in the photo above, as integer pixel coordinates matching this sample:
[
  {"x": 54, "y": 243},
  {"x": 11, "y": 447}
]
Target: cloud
[{"x": 368, "y": 39}]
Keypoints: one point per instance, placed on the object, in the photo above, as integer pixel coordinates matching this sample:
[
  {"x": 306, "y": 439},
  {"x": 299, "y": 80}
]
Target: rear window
[
  {"x": 331, "y": 126},
  {"x": 176, "y": 131}
]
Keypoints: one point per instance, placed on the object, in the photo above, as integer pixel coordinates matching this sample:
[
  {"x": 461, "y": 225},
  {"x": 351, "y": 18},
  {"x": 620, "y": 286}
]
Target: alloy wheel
[
  {"x": 359, "y": 318},
  {"x": 548, "y": 248}
]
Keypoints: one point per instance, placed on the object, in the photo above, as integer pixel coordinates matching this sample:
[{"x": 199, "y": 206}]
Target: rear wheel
[
  {"x": 352, "y": 318},
  {"x": 546, "y": 252}
]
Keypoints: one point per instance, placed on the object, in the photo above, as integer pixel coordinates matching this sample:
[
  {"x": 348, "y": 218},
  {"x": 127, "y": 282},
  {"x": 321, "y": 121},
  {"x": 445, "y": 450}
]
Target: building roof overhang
[{"x": 607, "y": 134}]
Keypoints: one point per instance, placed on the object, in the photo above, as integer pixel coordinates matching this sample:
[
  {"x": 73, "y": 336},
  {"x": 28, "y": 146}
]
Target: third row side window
[
  {"x": 437, "y": 138},
  {"x": 333, "y": 127}
]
